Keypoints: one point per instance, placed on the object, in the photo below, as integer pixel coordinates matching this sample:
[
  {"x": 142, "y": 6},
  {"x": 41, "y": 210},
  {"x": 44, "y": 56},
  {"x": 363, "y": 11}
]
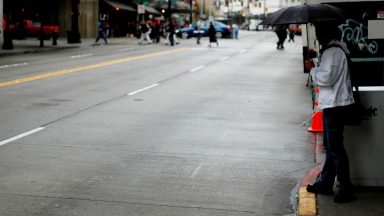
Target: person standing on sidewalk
[{"x": 332, "y": 76}]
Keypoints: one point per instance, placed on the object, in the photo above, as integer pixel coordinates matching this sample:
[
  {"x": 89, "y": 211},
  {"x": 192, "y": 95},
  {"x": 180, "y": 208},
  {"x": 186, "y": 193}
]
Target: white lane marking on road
[
  {"x": 224, "y": 58},
  {"x": 81, "y": 56},
  {"x": 21, "y": 135},
  {"x": 197, "y": 68},
  {"x": 126, "y": 49},
  {"x": 143, "y": 89},
  {"x": 242, "y": 51},
  {"x": 197, "y": 170},
  {"x": 13, "y": 65}
]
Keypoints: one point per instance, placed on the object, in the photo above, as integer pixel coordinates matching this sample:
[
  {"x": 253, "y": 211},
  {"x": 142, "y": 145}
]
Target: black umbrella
[{"x": 306, "y": 13}]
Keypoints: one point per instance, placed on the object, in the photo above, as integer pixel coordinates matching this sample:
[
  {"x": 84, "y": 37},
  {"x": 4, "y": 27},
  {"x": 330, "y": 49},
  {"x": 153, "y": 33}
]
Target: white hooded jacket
[{"x": 332, "y": 76}]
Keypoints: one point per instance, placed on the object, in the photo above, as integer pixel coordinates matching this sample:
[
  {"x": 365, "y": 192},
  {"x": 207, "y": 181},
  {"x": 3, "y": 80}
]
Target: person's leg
[
  {"x": 337, "y": 163},
  {"x": 171, "y": 39},
  {"x": 346, "y": 191},
  {"x": 336, "y": 149},
  {"x": 328, "y": 174},
  {"x": 166, "y": 39},
  {"x": 98, "y": 37},
  {"x": 324, "y": 183},
  {"x": 147, "y": 37},
  {"x": 105, "y": 37}
]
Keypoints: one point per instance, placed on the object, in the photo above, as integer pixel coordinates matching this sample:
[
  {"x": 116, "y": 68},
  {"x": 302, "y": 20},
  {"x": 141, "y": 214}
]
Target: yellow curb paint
[
  {"x": 307, "y": 203},
  {"x": 88, "y": 67}
]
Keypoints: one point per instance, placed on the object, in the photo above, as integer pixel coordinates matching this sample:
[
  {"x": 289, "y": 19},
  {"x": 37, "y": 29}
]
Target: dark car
[{"x": 191, "y": 31}]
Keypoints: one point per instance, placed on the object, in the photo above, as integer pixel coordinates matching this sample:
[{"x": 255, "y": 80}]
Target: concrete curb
[
  {"x": 35, "y": 50},
  {"x": 307, "y": 202}
]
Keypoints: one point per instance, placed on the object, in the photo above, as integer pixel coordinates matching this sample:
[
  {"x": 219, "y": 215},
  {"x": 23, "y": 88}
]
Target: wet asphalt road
[{"x": 124, "y": 129}]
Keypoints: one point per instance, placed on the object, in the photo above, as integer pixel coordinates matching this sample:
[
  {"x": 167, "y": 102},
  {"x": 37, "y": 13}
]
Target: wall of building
[{"x": 88, "y": 18}]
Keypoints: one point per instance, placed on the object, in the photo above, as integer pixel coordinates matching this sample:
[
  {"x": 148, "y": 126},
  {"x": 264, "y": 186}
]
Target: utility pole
[
  {"x": 205, "y": 16},
  {"x": 74, "y": 34},
  {"x": 169, "y": 9},
  {"x": 265, "y": 8},
  {"x": 191, "y": 11},
  {"x": 201, "y": 8}
]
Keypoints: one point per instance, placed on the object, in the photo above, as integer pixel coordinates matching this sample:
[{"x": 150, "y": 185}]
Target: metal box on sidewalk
[{"x": 365, "y": 143}]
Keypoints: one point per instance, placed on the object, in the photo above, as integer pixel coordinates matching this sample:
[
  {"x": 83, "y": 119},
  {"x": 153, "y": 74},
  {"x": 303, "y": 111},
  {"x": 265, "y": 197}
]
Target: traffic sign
[{"x": 141, "y": 9}]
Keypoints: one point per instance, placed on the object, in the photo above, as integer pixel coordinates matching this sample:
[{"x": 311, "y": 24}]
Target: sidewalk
[
  {"x": 32, "y": 45},
  {"x": 369, "y": 202}
]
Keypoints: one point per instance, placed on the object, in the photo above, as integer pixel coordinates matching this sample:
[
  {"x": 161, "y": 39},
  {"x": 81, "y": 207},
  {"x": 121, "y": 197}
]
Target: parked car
[
  {"x": 191, "y": 31},
  {"x": 32, "y": 29}
]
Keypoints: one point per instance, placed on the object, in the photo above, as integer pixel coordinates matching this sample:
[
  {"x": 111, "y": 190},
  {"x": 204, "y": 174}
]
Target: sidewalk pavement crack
[{"x": 130, "y": 203}]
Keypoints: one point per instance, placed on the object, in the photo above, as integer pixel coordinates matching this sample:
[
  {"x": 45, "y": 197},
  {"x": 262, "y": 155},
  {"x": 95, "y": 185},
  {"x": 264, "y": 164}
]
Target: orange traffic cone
[{"x": 317, "y": 118}]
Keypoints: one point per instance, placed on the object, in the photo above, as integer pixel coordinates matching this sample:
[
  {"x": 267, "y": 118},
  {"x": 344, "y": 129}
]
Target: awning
[
  {"x": 151, "y": 10},
  {"x": 121, "y": 6}
]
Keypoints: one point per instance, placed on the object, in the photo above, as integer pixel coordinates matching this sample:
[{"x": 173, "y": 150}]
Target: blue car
[{"x": 191, "y": 31}]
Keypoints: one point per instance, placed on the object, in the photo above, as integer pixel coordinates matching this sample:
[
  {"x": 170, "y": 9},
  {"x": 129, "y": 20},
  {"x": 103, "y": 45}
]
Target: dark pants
[
  {"x": 336, "y": 158},
  {"x": 171, "y": 39},
  {"x": 198, "y": 38},
  {"x": 103, "y": 35}
]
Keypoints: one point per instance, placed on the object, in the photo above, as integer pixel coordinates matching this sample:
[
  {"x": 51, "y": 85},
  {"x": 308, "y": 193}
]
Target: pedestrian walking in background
[
  {"x": 102, "y": 28},
  {"x": 155, "y": 32},
  {"x": 212, "y": 35},
  {"x": 235, "y": 30},
  {"x": 332, "y": 75},
  {"x": 199, "y": 26},
  {"x": 144, "y": 32},
  {"x": 168, "y": 37},
  {"x": 281, "y": 32},
  {"x": 291, "y": 34},
  {"x": 171, "y": 32}
]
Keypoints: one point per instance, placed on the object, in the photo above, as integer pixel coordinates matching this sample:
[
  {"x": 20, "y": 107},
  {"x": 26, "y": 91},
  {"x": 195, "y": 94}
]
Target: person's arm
[{"x": 327, "y": 72}]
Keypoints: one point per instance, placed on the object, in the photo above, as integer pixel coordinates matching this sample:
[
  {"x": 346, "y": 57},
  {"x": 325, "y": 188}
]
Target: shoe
[
  {"x": 316, "y": 188},
  {"x": 344, "y": 197}
]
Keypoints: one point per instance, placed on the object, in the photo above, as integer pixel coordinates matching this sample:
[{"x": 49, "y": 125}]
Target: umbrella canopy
[{"x": 306, "y": 13}]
